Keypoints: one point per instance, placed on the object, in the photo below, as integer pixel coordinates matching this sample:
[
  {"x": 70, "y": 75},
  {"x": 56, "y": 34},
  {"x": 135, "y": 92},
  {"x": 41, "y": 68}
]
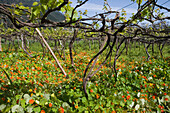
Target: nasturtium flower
[
  {"x": 50, "y": 104},
  {"x": 61, "y": 110},
  {"x": 97, "y": 96},
  {"x": 159, "y": 106},
  {"x": 31, "y": 101},
  {"x": 91, "y": 91},
  {"x": 154, "y": 75},
  {"x": 30, "y": 90},
  {"x": 113, "y": 111},
  {"x": 76, "y": 106},
  {"x": 42, "y": 111},
  {"x": 8, "y": 101},
  {"x": 166, "y": 99},
  {"x": 40, "y": 84},
  {"x": 128, "y": 97},
  {"x": 96, "y": 84}
]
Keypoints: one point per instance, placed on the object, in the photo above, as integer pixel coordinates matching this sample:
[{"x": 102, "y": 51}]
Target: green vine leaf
[{"x": 35, "y": 3}]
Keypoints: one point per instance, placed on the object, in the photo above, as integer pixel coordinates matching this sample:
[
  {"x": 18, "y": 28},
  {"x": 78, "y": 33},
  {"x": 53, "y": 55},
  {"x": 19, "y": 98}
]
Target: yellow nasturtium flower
[{"x": 30, "y": 90}]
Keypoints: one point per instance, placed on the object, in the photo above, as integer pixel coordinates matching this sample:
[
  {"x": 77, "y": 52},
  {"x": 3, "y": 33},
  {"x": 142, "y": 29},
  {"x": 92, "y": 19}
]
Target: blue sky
[{"x": 95, "y": 6}]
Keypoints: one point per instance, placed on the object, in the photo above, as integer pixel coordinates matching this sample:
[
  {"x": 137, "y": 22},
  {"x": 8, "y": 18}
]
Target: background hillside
[
  {"x": 55, "y": 16},
  {"x": 27, "y": 3}
]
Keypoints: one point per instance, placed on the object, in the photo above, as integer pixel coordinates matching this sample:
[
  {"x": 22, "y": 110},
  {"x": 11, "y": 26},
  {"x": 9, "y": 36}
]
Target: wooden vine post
[{"x": 49, "y": 48}]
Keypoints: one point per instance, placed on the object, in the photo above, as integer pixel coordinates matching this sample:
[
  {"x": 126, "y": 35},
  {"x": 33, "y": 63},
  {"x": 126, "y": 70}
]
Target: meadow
[{"x": 37, "y": 84}]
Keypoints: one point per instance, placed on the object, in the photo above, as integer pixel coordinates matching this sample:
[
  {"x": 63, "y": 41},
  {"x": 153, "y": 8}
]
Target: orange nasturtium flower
[
  {"x": 61, "y": 110},
  {"x": 153, "y": 97},
  {"x": 81, "y": 79},
  {"x": 97, "y": 96},
  {"x": 50, "y": 104},
  {"x": 42, "y": 111},
  {"x": 3, "y": 99},
  {"x": 76, "y": 106},
  {"x": 96, "y": 84},
  {"x": 128, "y": 97},
  {"x": 31, "y": 101},
  {"x": 40, "y": 84},
  {"x": 113, "y": 111},
  {"x": 91, "y": 91},
  {"x": 166, "y": 99}
]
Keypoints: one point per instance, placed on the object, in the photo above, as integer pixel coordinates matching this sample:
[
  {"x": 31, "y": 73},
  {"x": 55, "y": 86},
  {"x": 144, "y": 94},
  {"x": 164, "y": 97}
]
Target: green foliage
[
  {"x": 39, "y": 85},
  {"x": 44, "y": 6},
  {"x": 139, "y": 1}
]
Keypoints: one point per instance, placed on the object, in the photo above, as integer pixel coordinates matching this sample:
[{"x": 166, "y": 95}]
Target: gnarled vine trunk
[{"x": 71, "y": 47}]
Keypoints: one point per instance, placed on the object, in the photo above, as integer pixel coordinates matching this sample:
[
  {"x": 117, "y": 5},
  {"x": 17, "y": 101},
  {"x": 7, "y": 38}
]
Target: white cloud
[
  {"x": 167, "y": 14},
  {"x": 92, "y": 7},
  {"x": 98, "y": 8}
]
